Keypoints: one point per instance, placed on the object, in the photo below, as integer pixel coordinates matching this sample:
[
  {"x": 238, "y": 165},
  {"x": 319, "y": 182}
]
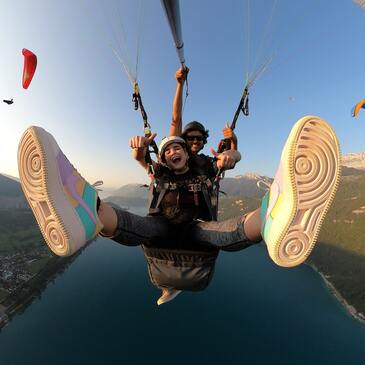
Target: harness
[{"x": 165, "y": 181}]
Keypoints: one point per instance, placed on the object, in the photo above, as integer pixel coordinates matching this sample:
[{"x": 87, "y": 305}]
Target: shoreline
[
  {"x": 350, "y": 309},
  {"x": 32, "y": 289}
]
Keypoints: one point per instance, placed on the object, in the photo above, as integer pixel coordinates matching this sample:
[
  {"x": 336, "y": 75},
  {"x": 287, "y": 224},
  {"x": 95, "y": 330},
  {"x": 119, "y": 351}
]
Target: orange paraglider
[
  {"x": 357, "y": 107},
  {"x": 30, "y": 64}
]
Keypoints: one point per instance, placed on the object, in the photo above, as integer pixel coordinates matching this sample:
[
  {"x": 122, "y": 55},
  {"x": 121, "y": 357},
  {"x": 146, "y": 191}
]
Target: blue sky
[{"x": 81, "y": 94}]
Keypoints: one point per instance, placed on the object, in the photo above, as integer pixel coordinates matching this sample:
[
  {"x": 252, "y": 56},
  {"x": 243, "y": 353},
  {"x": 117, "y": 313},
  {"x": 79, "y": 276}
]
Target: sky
[{"x": 82, "y": 96}]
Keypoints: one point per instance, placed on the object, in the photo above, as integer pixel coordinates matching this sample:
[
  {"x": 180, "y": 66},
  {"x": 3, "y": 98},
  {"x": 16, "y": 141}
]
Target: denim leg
[
  {"x": 228, "y": 235},
  {"x": 134, "y": 230}
]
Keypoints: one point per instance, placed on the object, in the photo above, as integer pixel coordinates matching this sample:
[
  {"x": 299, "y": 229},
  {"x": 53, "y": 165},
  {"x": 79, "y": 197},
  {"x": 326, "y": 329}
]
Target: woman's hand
[
  {"x": 227, "y": 159},
  {"x": 141, "y": 142},
  {"x": 181, "y": 74}
]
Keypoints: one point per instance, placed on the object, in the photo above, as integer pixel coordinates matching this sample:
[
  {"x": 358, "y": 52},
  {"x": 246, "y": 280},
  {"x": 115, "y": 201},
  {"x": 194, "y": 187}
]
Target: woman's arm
[{"x": 176, "y": 122}]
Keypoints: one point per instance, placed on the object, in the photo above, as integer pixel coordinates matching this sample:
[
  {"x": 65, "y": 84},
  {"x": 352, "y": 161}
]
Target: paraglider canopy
[
  {"x": 30, "y": 65},
  {"x": 172, "y": 11},
  {"x": 357, "y": 107},
  {"x": 8, "y": 101}
]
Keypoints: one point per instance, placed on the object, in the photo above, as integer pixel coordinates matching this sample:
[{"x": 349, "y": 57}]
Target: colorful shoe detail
[
  {"x": 304, "y": 186},
  {"x": 63, "y": 203}
]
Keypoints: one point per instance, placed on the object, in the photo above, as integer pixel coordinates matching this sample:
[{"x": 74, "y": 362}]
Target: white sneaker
[{"x": 302, "y": 191}]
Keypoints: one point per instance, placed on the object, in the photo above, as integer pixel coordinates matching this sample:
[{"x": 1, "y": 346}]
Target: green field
[
  {"x": 344, "y": 226},
  {"x": 18, "y": 230}
]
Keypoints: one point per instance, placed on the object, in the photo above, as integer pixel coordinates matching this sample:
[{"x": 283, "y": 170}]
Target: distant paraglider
[
  {"x": 30, "y": 65},
  {"x": 8, "y": 101},
  {"x": 357, "y": 107}
]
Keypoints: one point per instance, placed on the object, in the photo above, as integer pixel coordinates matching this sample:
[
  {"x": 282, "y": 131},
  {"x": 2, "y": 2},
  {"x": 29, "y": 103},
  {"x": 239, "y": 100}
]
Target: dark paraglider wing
[
  {"x": 8, "y": 101},
  {"x": 172, "y": 11}
]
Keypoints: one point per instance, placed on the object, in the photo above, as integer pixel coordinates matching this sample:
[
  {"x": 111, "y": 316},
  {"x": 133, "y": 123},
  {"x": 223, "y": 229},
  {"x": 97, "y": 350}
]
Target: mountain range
[
  {"x": 242, "y": 185},
  {"x": 354, "y": 160},
  {"x": 246, "y": 185}
]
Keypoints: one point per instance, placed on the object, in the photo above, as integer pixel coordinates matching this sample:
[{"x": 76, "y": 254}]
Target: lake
[{"x": 102, "y": 310}]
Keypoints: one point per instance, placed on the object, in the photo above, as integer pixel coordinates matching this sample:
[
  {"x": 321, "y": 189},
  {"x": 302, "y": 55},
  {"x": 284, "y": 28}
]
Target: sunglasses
[{"x": 193, "y": 138}]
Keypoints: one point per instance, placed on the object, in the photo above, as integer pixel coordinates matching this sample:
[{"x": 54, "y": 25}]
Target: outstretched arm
[
  {"x": 176, "y": 122},
  {"x": 139, "y": 145}
]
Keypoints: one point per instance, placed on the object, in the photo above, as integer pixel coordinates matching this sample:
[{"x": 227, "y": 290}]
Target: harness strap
[
  {"x": 225, "y": 144},
  {"x": 208, "y": 202},
  {"x": 136, "y": 98},
  {"x": 214, "y": 201},
  {"x": 161, "y": 196},
  {"x": 200, "y": 184},
  {"x": 151, "y": 196}
]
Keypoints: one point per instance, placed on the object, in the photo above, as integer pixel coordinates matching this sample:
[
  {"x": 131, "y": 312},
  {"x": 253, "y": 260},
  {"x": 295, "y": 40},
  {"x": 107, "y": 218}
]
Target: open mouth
[{"x": 175, "y": 159}]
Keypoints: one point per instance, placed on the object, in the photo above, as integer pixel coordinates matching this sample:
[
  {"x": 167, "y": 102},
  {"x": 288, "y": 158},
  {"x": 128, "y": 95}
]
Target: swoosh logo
[{"x": 70, "y": 180}]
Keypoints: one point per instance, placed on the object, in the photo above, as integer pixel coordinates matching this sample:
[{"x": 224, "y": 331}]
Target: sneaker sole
[
  {"x": 42, "y": 185},
  {"x": 312, "y": 160}
]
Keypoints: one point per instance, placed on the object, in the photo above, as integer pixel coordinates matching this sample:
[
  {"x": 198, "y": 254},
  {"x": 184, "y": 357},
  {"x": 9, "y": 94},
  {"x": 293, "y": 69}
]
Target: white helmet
[{"x": 166, "y": 141}]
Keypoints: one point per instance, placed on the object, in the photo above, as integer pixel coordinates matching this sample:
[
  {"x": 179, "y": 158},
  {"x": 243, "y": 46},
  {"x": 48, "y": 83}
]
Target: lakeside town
[
  {"x": 16, "y": 270},
  {"x": 18, "y": 267},
  {"x": 24, "y": 274}
]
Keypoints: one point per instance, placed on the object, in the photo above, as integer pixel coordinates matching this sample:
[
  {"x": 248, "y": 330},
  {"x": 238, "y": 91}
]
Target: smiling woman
[{"x": 176, "y": 157}]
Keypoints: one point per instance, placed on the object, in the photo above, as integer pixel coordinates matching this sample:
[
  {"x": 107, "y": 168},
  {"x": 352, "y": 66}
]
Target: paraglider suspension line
[
  {"x": 137, "y": 100},
  {"x": 186, "y": 91}
]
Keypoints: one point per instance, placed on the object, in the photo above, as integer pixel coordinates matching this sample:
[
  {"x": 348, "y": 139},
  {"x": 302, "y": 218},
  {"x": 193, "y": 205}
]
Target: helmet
[
  {"x": 166, "y": 141},
  {"x": 196, "y": 126}
]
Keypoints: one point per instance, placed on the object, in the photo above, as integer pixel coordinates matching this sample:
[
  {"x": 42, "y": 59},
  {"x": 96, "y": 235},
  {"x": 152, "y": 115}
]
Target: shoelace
[
  {"x": 96, "y": 184},
  {"x": 264, "y": 188}
]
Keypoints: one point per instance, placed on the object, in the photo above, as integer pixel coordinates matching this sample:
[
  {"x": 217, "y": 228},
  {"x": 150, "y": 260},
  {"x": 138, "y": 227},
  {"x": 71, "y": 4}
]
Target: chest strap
[{"x": 157, "y": 193}]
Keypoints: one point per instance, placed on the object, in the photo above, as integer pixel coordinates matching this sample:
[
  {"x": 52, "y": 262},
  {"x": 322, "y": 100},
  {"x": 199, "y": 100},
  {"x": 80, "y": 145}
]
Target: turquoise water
[{"x": 103, "y": 310}]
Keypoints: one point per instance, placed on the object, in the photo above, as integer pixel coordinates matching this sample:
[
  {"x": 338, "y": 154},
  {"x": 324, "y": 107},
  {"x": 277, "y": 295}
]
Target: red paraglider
[{"x": 30, "y": 64}]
